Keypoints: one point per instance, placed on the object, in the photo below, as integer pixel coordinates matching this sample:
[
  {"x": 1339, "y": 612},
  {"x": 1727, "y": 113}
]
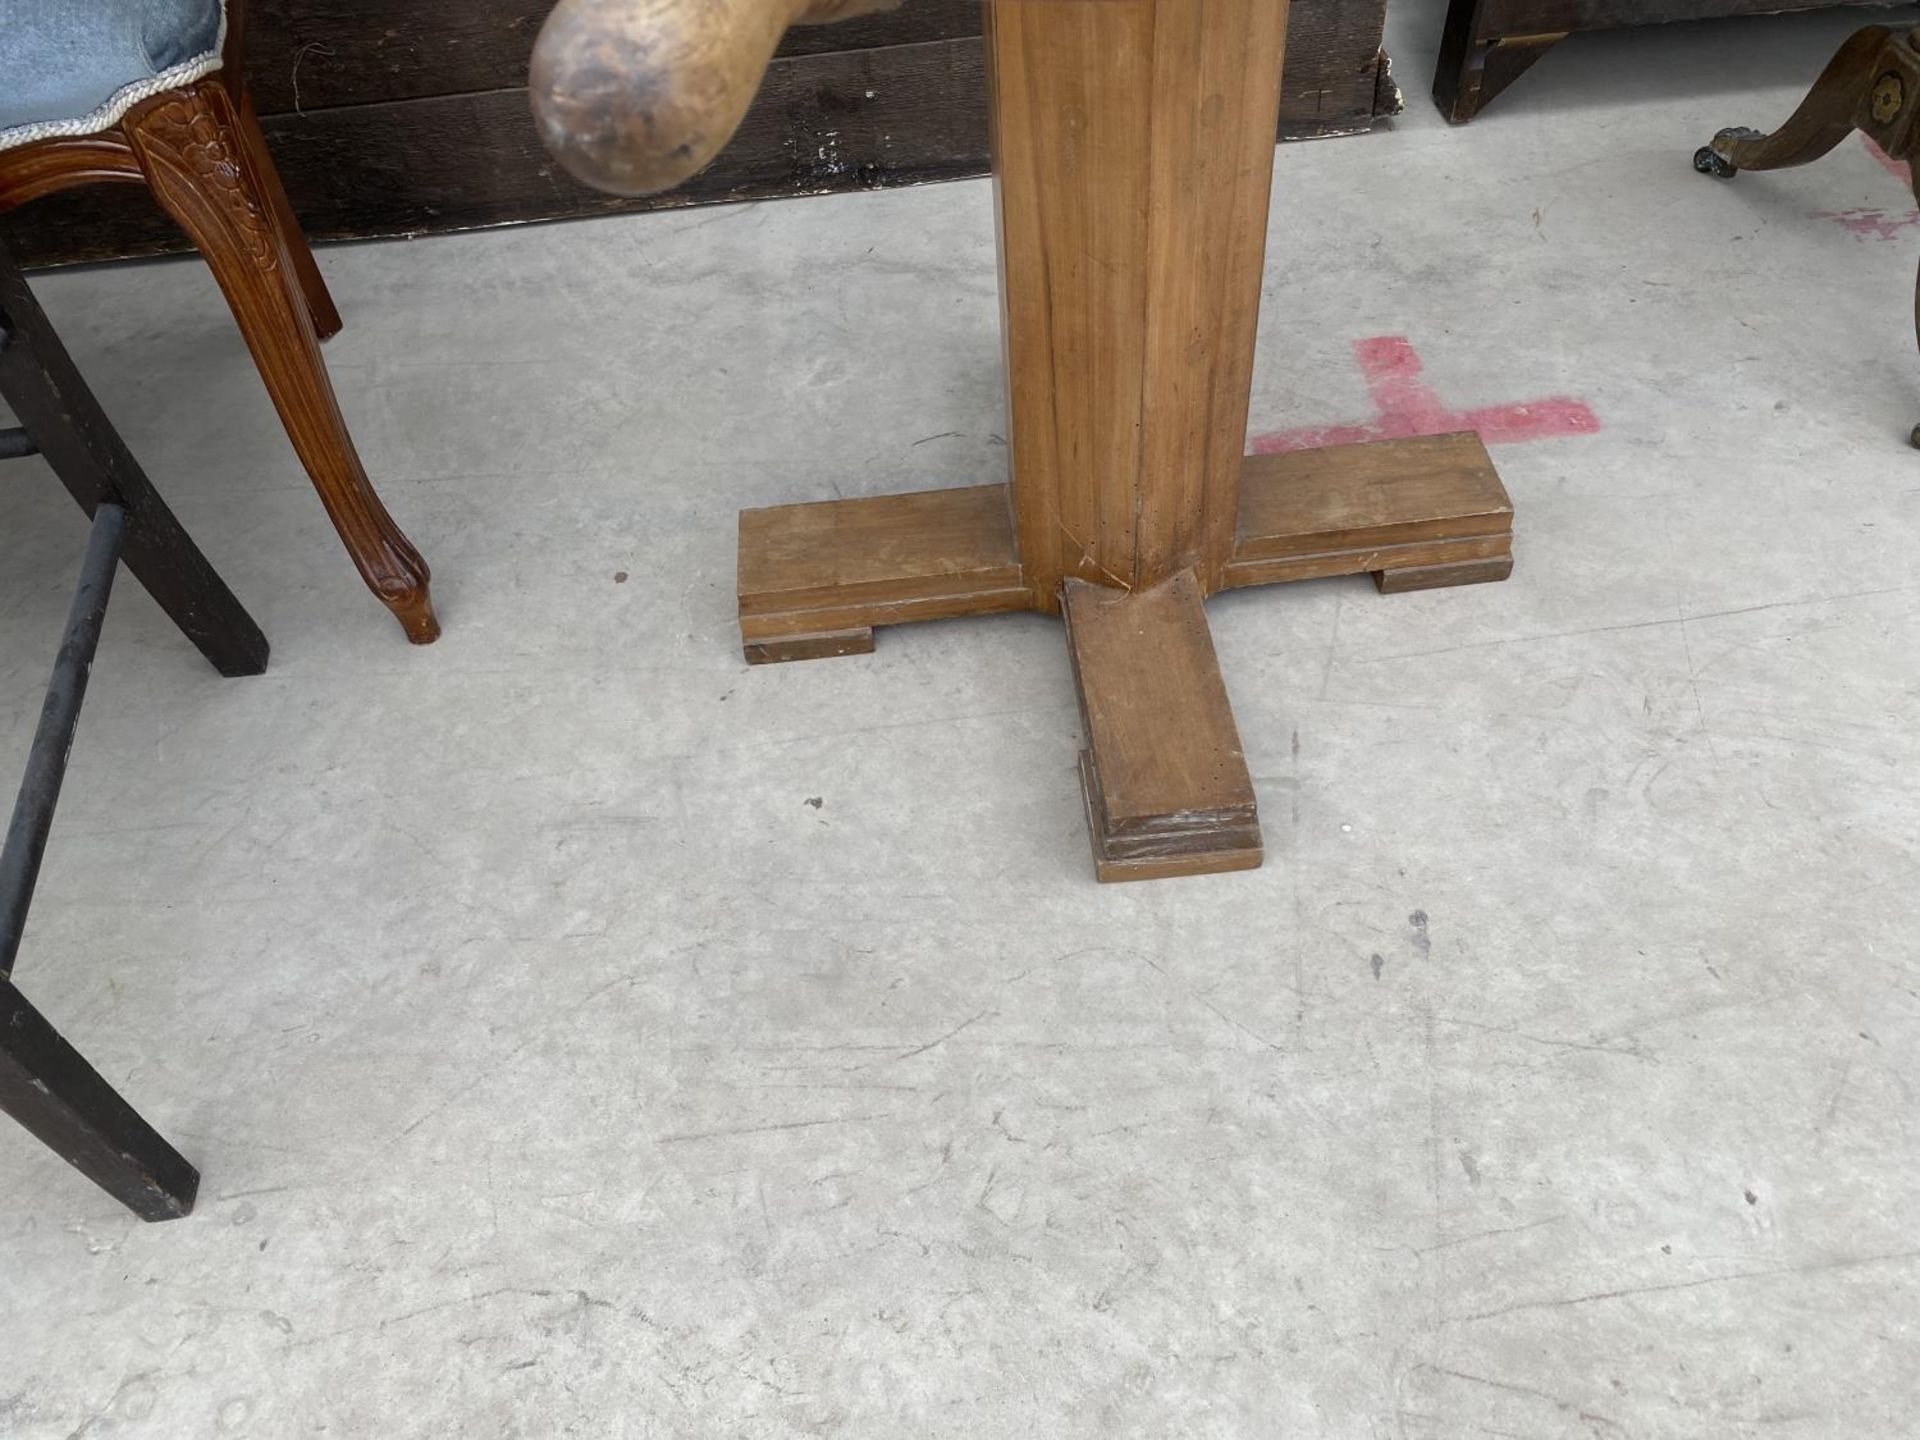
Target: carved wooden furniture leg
[
  {"x": 1846, "y": 92},
  {"x": 199, "y": 148},
  {"x": 1871, "y": 85},
  {"x": 198, "y": 158},
  {"x": 1134, "y": 158},
  {"x": 1475, "y": 67},
  {"x": 326, "y": 316}
]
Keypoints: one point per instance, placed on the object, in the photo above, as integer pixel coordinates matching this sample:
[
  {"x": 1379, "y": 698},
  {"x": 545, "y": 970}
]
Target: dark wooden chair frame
[
  {"x": 1486, "y": 45},
  {"x": 45, "y": 1084},
  {"x": 1872, "y": 85},
  {"x": 199, "y": 149}
]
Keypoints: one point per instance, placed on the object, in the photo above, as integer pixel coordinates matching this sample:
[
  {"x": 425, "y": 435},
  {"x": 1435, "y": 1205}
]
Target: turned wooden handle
[{"x": 636, "y": 96}]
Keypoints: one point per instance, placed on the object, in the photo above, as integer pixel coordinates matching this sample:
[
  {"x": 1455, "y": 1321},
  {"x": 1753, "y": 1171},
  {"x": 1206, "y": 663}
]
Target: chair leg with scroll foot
[
  {"x": 200, "y": 160},
  {"x": 1847, "y": 93},
  {"x": 1872, "y": 85}
]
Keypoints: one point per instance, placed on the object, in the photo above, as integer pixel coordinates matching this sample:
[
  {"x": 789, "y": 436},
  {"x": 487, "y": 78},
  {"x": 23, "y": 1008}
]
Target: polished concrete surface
[{"x": 581, "y": 1034}]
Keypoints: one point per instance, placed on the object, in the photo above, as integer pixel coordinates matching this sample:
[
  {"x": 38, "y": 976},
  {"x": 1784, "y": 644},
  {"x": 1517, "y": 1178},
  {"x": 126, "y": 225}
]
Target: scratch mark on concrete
[
  {"x": 1565, "y": 1406},
  {"x": 768, "y": 1129},
  {"x": 1487, "y": 1235},
  {"x": 931, "y": 1044},
  {"x": 1518, "y": 1034},
  {"x": 1854, "y": 1262}
]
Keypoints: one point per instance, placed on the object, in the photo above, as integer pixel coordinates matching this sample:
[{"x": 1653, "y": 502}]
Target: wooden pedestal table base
[
  {"x": 1167, "y": 788},
  {"x": 1133, "y": 166}
]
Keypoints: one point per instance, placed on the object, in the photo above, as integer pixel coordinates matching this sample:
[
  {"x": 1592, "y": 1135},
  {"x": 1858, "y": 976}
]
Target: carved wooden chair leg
[
  {"x": 326, "y": 316},
  {"x": 1825, "y": 118},
  {"x": 199, "y": 161}
]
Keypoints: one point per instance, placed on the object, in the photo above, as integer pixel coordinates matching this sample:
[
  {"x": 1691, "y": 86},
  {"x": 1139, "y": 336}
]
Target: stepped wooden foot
[
  {"x": 824, "y": 646},
  {"x": 1165, "y": 781},
  {"x": 816, "y": 579},
  {"x": 1439, "y": 577},
  {"x": 1429, "y": 507}
]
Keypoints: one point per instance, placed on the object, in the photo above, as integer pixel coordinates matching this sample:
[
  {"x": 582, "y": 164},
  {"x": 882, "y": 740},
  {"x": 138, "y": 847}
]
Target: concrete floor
[{"x": 581, "y": 1034}]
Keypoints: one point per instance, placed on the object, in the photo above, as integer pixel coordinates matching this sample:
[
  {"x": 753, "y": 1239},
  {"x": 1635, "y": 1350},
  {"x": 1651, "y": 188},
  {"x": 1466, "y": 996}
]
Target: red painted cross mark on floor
[
  {"x": 1405, "y": 405},
  {"x": 1879, "y": 224}
]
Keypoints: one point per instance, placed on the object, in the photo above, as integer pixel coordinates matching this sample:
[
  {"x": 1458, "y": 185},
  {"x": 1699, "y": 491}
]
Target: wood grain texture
[
  {"x": 1165, "y": 781},
  {"x": 197, "y": 154},
  {"x": 823, "y": 645},
  {"x": 206, "y": 165},
  {"x": 1441, "y": 577},
  {"x": 1133, "y": 178},
  {"x": 1383, "y": 506},
  {"x": 813, "y": 577}
]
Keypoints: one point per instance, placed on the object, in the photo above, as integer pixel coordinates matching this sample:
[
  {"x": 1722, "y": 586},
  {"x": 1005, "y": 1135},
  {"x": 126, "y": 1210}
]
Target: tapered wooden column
[{"x": 1133, "y": 148}]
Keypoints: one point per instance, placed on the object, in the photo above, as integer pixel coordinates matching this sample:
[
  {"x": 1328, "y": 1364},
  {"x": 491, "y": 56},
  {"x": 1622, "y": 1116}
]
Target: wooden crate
[{"x": 411, "y": 119}]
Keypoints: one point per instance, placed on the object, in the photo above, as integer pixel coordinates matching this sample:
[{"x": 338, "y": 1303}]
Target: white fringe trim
[{"x": 106, "y": 116}]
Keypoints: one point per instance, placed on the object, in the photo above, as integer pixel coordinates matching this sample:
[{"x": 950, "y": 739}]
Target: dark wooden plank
[
  {"x": 48, "y": 1087},
  {"x": 843, "y": 120},
  {"x": 1500, "y": 18},
  {"x": 854, "y": 120},
  {"x": 1441, "y": 577},
  {"x": 318, "y": 54}
]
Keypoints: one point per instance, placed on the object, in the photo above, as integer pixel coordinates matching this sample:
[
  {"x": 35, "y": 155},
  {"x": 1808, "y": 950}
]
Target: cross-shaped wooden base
[{"x": 1167, "y": 788}]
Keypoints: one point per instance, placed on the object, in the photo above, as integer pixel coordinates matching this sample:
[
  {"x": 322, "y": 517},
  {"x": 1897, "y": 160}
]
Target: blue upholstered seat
[{"x": 74, "y": 67}]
